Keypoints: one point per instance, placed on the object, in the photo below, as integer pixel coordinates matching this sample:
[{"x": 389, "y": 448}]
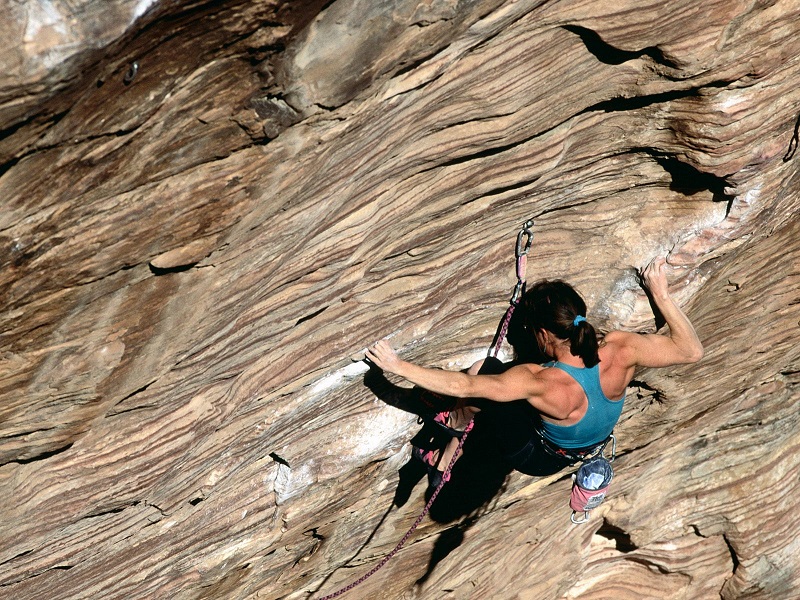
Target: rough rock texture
[{"x": 208, "y": 212}]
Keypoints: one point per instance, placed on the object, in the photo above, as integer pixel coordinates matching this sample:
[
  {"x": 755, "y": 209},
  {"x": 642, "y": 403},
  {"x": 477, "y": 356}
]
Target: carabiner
[
  {"x": 613, "y": 439},
  {"x": 578, "y": 520},
  {"x": 524, "y": 238},
  {"x": 519, "y": 289},
  {"x": 133, "y": 69}
]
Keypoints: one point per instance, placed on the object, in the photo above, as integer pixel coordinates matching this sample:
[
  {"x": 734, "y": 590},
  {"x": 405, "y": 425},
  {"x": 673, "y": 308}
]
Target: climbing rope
[
  {"x": 524, "y": 241},
  {"x": 422, "y": 515}
]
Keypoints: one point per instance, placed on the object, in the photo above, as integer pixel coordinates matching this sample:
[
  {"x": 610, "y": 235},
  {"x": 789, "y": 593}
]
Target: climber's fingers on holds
[
  {"x": 381, "y": 354},
  {"x": 654, "y": 275}
]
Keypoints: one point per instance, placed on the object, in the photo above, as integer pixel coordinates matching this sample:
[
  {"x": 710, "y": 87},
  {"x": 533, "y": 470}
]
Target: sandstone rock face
[
  {"x": 210, "y": 209},
  {"x": 47, "y": 44}
]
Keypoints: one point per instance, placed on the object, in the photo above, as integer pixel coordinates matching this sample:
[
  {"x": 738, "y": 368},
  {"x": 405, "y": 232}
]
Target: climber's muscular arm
[
  {"x": 680, "y": 346},
  {"x": 522, "y": 382},
  {"x": 515, "y": 384}
]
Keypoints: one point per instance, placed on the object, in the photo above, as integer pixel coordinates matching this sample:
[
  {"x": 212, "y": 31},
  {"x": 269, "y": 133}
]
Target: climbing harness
[
  {"x": 577, "y": 454},
  {"x": 591, "y": 481},
  {"x": 524, "y": 241}
]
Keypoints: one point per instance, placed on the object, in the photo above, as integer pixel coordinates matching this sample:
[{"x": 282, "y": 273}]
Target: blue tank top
[{"x": 600, "y": 418}]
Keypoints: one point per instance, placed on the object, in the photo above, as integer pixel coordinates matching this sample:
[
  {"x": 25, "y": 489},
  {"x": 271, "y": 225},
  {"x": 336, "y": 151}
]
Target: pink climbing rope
[
  {"x": 495, "y": 348},
  {"x": 401, "y": 543},
  {"x": 524, "y": 240}
]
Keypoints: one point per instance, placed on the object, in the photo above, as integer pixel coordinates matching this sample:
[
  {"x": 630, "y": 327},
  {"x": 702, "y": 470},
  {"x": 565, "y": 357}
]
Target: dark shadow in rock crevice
[
  {"x": 792, "y": 149},
  {"x": 611, "y": 55},
  {"x": 689, "y": 180},
  {"x": 159, "y": 271},
  {"x": 621, "y": 538},
  {"x": 40, "y": 454}
]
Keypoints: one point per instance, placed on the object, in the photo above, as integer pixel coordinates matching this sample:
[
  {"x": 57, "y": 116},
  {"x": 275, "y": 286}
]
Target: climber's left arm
[{"x": 516, "y": 383}]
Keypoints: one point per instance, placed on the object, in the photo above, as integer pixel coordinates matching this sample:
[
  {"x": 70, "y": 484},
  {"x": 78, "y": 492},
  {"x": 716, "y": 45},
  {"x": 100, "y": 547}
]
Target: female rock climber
[{"x": 546, "y": 417}]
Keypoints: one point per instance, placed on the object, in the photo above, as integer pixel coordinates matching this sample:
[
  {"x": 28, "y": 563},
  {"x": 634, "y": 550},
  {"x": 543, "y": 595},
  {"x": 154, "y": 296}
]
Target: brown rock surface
[{"x": 195, "y": 250}]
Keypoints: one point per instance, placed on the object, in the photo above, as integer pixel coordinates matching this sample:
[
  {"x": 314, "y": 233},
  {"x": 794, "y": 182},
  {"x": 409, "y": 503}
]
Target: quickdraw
[{"x": 524, "y": 241}]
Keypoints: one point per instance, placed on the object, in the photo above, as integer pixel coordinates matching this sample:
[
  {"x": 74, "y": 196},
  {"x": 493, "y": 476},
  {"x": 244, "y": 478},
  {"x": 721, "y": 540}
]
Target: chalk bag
[{"x": 589, "y": 487}]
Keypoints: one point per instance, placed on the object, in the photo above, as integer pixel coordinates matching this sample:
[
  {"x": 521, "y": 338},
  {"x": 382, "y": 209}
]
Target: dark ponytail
[
  {"x": 583, "y": 342},
  {"x": 556, "y": 307}
]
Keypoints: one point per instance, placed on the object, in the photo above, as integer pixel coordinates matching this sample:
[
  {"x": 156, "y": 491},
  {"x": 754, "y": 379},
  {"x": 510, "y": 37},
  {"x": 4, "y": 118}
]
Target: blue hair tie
[{"x": 577, "y": 320}]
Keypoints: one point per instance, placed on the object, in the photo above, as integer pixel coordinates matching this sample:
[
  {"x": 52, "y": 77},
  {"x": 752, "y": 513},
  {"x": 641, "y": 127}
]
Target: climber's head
[{"x": 556, "y": 307}]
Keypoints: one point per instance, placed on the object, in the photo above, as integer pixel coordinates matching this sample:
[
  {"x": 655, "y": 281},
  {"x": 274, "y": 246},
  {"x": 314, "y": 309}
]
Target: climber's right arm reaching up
[{"x": 680, "y": 346}]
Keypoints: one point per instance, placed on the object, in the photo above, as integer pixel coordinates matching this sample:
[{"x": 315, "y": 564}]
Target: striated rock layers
[{"x": 210, "y": 208}]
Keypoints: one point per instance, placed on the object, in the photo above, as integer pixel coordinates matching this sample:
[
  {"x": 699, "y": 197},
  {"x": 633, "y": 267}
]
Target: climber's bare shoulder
[{"x": 619, "y": 348}]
